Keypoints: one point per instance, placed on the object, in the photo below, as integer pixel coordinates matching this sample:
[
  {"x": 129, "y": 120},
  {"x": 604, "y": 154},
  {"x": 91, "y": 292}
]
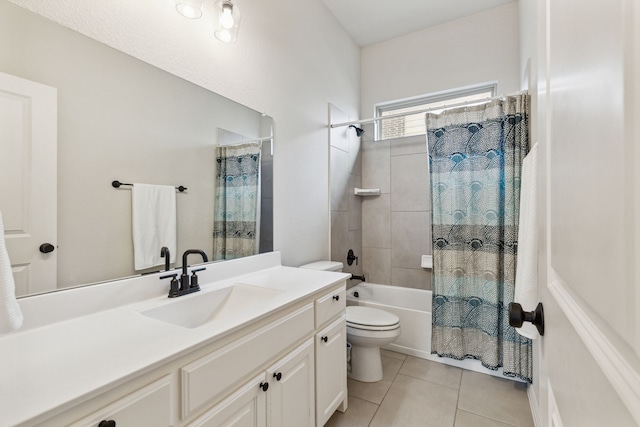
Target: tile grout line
[
  {"x": 455, "y": 412},
  {"x": 386, "y": 392}
]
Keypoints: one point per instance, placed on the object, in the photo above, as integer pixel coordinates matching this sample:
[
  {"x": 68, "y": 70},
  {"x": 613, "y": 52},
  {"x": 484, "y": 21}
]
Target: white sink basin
[{"x": 197, "y": 309}]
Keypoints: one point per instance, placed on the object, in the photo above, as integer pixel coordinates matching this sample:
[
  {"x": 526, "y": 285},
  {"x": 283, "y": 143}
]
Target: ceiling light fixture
[
  {"x": 191, "y": 9},
  {"x": 227, "y": 21}
]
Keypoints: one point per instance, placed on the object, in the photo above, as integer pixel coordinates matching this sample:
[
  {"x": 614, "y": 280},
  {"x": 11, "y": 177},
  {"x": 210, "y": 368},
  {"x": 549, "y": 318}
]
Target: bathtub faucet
[{"x": 354, "y": 277}]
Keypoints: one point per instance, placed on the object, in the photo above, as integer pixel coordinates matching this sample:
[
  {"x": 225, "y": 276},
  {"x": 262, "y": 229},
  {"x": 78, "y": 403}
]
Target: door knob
[
  {"x": 45, "y": 248},
  {"x": 517, "y": 316}
]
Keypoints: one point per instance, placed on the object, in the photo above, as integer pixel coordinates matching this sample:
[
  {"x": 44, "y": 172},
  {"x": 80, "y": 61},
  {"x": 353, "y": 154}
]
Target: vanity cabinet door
[
  {"x": 291, "y": 397},
  {"x": 331, "y": 369},
  {"x": 246, "y": 407},
  {"x": 149, "y": 406}
]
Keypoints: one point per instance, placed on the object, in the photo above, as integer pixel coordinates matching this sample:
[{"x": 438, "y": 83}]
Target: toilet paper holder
[{"x": 517, "y": 316}]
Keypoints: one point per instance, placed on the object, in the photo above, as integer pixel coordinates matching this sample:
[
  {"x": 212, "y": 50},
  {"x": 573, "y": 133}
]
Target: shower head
[{"x": 359, "y": 131}]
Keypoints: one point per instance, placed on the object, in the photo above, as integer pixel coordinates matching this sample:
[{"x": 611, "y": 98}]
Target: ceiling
[{"x": 374, "y": 21}]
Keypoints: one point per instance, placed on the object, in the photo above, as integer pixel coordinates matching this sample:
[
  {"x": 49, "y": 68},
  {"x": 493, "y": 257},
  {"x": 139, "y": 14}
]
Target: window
[{"x": 414, "y": 124}]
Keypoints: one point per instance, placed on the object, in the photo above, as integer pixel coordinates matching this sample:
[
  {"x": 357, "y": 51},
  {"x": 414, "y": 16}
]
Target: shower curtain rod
[{"x": 427, "y": 110}]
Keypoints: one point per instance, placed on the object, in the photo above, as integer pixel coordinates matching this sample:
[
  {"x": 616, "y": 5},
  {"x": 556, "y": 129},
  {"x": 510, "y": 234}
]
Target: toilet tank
[{"x": 324, "y": 265}]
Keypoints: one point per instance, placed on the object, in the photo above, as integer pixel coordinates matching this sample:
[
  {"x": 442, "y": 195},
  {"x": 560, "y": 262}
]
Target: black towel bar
[{"x": 117, "y": 184}]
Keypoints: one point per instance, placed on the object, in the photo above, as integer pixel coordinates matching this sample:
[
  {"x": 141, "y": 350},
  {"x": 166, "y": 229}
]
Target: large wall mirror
[{"x": 119, "y": 118}]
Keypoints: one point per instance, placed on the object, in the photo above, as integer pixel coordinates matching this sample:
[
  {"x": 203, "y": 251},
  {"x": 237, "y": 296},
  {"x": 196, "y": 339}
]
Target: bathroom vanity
[{"x": 260, "y": 345}]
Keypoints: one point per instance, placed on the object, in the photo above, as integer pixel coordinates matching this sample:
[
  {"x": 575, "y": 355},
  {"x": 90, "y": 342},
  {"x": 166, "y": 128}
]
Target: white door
[
  {"x": 28, "y": 180},
  {"x": 291, "y": 397},
  {"x": 588, "y": 118}
]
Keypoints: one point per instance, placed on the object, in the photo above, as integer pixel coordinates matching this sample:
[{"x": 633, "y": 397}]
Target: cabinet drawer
[
  {"x": 329, "y": 306},
  {"x": 149, "y": 406},
  {"x": 205, "y": 379}
]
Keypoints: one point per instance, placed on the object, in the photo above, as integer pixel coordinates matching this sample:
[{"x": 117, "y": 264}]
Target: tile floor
[{"x": 418, "y": 392}]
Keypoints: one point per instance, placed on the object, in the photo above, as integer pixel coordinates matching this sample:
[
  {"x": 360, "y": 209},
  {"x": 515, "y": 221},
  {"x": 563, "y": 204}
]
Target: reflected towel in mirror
[
  {"x": 154, "y": 223},
  {"x": 10, "y": 313}
]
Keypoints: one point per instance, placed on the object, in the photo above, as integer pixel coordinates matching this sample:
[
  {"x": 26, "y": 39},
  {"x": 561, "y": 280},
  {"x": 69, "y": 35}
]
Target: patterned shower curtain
[
  {"x": 475, "y": 159},
  {"x": 237, "y": 201}
]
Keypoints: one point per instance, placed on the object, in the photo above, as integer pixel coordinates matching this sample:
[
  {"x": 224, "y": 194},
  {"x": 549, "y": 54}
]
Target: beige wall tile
[
  {"x": 355, "y": 203},
  {"x": 417, "y": 278},
  {"x": 339, "y": 179},
  {"x": 376, "y": 165},
  {"x": 339, "y": 235},
  {"x": 376, "y": 221},
  {"x": 377, "y": 265},
  {"x": 409, "y": 145},
  {"x": 410, "y": 183}
]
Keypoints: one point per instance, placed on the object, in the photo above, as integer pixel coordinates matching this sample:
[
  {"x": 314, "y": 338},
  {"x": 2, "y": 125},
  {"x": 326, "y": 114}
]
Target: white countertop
[{"x": 57, "y": 363}]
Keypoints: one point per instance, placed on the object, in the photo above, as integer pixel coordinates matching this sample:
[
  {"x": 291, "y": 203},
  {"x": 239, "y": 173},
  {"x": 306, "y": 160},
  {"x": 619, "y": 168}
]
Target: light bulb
[
  {"x": 189, "y": 8},
  {"x": 223, "y": 36},
  {"x": 226, "y": 17}
]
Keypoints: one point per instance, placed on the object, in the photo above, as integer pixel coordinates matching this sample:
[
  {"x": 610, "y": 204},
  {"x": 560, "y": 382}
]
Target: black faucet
[
  {"x": 184, "y": 278},
  {"x": 185, "y": 286},
  {"x": 164, "y": 253}
]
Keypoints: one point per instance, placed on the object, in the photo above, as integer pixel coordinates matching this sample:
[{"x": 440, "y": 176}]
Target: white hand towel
[
  {"x": 154, "y": 223},
  {"x": 526, "y": 292},
  {"x": 10, "y": 312}
]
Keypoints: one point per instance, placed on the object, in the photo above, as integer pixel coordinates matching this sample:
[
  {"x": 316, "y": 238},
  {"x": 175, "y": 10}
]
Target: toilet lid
[{"x": 370, "y": 316}]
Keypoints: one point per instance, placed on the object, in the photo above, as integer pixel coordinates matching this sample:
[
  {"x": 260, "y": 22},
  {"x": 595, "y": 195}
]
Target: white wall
[
  {"x": 476, "y": 49},
  {"x": 290, "y": 60}
]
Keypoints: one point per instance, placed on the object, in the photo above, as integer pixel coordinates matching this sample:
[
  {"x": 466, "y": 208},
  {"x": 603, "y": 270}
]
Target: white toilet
[{"x": 368, "y": 329}]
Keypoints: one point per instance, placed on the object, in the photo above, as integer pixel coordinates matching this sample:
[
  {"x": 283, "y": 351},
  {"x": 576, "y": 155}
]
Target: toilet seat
[{"x": 371, "y": 319}]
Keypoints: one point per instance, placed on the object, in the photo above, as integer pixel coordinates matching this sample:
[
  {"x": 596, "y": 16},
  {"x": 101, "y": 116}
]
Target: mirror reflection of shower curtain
[
  {"x": 476, "y": 156},
  {"x": 237, "y": 201}
]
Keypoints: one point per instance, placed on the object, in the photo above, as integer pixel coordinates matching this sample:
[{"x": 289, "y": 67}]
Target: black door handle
[
  {"x": 45, "y": 248},
  {"x": 517, "y": 316}
]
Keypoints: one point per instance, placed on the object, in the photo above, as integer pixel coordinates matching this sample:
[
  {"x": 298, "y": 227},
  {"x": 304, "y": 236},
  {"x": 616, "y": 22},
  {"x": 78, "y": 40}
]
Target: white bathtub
[{"x": 413, "y": 307}]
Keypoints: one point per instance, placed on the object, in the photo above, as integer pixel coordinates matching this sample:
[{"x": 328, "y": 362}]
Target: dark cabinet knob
[
  {"x": 336, "y": 297},
  {"x": 325, "y": 339},
  {"x": 45, "y": 248},
  {"x": 278, "y": 376},
  {"x": 264, "y": 386},
  {"x": 107, "y": 423}
]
